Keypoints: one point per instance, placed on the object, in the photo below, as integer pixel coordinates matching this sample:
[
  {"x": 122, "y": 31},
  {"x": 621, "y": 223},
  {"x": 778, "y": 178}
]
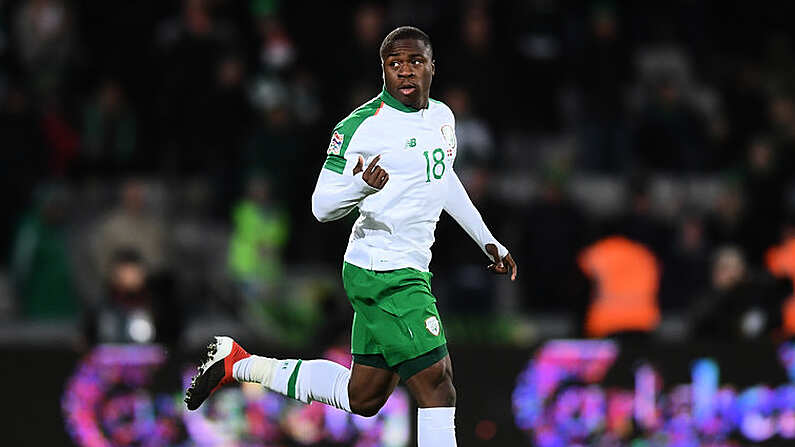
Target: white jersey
[{"x": 396, "y": 224}]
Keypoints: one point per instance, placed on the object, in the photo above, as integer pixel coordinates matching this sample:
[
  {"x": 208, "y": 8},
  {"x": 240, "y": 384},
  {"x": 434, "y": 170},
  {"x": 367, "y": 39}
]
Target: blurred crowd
[{"x": 158, "y": 160}]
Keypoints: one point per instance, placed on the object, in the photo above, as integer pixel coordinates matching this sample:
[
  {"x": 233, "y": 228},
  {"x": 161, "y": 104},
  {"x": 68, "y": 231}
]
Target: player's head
[{"x": 407, "y": 61}]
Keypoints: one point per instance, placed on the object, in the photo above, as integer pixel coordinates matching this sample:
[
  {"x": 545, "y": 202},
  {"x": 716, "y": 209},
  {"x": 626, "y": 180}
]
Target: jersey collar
[{"x": 391, "y": 101}]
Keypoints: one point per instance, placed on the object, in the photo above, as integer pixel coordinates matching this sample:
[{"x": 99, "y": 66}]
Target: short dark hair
[{"x": 405, "y": 32}]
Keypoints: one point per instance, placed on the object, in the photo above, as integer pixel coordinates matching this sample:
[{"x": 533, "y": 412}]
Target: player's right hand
[
  {"x": 501, "y": 266},
  {"x": 374, "y": 175}
]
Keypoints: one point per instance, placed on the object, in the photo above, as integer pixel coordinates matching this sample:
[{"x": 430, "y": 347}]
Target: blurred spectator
[
  {"x": 131, "y": 226},
  {"x": 109, "y": 130},
  {"x": 626, "y": 277},
  {"x": 271, "y": 87},
  {"x": 255, "y": 261},
  {"x": 40, "y": 266},
  {"x": 276, "y": 49},
  {"x": 260, "y": 231},
  {"x": 738, "y": 305},
  {"x": 664, "y": 58},
  {"x": 46, "y": 42},
  {"x": 126, "y": 315},
  {"x": 278, "y": 80},
  {"x": 136, "y": 308}
]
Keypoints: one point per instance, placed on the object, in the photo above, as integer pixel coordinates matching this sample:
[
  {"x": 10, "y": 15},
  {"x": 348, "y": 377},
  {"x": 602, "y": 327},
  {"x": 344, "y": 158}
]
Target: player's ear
[{"x": 433, "y": 67}]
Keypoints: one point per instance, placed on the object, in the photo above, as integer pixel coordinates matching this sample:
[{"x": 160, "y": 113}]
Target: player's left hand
[{"x": 501, "y": 266}]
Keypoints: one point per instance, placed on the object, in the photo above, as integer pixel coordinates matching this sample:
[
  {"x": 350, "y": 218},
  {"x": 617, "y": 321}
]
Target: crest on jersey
[
  {"x": 335, "y": 146},
  {"x": 448, "y": 134},
  {"x": 432, "y": 324}
]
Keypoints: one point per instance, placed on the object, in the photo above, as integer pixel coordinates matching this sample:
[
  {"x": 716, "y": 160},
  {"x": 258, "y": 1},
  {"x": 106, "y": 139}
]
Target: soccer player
[{"x": 393, "y": 159}]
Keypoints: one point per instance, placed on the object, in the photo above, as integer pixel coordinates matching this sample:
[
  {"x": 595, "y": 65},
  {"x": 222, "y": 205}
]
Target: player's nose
[{"x": 405, "y": 71}]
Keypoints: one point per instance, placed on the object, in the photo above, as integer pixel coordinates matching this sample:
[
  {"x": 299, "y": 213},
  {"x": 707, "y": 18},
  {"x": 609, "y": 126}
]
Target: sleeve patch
[{"x": 335, "y": 147}]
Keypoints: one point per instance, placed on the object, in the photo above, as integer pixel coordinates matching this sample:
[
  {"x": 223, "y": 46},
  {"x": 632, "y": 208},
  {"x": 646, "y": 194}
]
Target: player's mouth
[{"x": 407, "y": 90}]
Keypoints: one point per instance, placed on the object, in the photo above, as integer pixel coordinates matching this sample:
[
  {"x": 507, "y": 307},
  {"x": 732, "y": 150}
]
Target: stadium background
[{"x": 157, "y": 160}]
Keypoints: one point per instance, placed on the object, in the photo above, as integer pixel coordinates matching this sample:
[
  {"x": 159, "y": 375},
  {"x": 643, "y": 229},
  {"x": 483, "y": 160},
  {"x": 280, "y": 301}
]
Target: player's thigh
[
  {"x": 433, "y": 386},
  {"x": 370, "y": 386}
]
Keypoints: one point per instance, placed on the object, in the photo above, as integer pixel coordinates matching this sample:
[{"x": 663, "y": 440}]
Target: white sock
[
  {"x": 436, "y": 427},
  {"x": 254, "y": 369},
  {"x": 312, "y": 380}
]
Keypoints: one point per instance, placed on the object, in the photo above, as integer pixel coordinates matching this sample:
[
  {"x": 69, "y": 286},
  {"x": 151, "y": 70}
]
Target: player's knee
[{"x": 366, "y": 407}]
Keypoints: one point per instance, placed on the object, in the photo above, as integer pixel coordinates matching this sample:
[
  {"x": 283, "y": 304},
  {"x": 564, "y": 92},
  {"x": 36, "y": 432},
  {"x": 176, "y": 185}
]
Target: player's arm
[
  {"x": 460, "y": 207},
  {"x": 337, "y": 193}
]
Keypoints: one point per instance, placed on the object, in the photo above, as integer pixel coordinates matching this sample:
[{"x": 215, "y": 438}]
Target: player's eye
[{"x": 417, "y": 61}]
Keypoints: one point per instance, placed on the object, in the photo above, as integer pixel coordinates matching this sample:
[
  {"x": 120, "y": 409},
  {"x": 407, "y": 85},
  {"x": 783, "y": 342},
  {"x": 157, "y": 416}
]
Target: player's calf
[
  {"x": 433, "y": 386},
  {"x": 367, "y": 407},
  {"x": 434, "y": 392}
]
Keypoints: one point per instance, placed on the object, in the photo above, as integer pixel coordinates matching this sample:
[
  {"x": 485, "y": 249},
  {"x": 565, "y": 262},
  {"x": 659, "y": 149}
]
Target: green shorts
[{"x": 395, "y": 318}]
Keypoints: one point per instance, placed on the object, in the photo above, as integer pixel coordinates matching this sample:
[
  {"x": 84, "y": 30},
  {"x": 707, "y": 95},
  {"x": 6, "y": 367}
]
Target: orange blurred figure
[{"x": 627, "y": 279}]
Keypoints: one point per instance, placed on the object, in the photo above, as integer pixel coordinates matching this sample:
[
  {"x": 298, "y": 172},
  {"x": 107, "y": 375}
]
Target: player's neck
[{"x": 396, "y": 104}]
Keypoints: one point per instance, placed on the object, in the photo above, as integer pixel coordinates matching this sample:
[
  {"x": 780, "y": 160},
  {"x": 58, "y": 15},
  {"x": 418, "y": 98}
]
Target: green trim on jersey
[
  {"x": 394, "y": 103},
  {"x": 347, "y": 127},
  {"x": 335, "y": 163},
  {"x": 391, "y": 101}
]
